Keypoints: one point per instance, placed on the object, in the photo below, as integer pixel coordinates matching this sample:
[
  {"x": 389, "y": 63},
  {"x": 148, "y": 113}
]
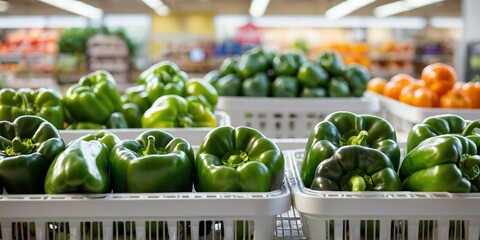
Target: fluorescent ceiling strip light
[
  {"x": 76, "y": 7},
  {"x": 158, "y": 6},
  {"x": 258, "y": 7},
  {"x": 446, "y": 22},
  {"x": 401, "y": 6},
  {"x": 345, "y": 8}
]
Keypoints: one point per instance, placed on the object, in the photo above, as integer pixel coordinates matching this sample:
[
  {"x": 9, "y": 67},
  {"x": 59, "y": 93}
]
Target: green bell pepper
[
  {"x": 345, "y": 128},
  {"x": 117, "y": 120},
  {"x": 138, "y": 96},
  {"x": 85, "y": 125},
  {"x": 205, "y": 89},
  {"x": 357, "y": 77},
  {"x": 312, "y": 75},
  {"x": 238, "y": 160},
  {"x": 171, "y": 111},
  {"x": 132, "y": 114},
  {"x": 28, "y": 146},
  {"x": 313, "y": 92},
  {"x": 43, "y": 102},
  {"x": 154, "y": 162},
  {"x": 257, "y": 85},
  {"x": 338, "y": 87},
  {"x": 166, "y": 66},
  {"x": 212, "y": 76},
  {"x": 287, "y": 64},
  {"x": 356, "y": 168},
  {"x": 285, "y": 86},
  {"x": 440, "y": 125},
  {"x": 165, "y": 83},
  {"x": 332, "y": 62},
  {"x": 83, "y": 167},
  {"x": 228, "y": 85},
  {"x": 228, "y": 66},
  {"x": 94, "y": 98},
  {"x": 251, "y": 62},
  {"x": 442, "y": 163}
]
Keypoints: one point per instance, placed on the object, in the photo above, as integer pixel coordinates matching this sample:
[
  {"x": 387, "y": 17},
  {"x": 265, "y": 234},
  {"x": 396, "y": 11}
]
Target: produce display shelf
[
  {"x": 290, "y": 117},
  {"x": 403, "y": 116},
  {"x": 382, "y": 215},
  {"x": 193, "y": 135},
  {"x": 144, "y": 216}
]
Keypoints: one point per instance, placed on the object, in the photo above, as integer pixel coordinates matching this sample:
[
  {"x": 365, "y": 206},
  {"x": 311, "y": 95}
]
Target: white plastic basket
[
  {"x": 290, "y": 117},
  {"x": 142, "y": 216},
  {"x": 193, "y": 135},
  {"x": 395, "y": 215},
  {"x": 403, "y": 116}
]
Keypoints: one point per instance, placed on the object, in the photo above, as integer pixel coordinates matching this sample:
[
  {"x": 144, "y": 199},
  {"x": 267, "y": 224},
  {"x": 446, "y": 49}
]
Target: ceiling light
[
  {"x": 401, "y": 6},
  {"x": 3, "y": 6},
  {"x": 258, "y": 7},
  {"x": 76, "y": 7},
  {"x": 158, "y": 6},
  {"x": 345, "y": 8}
]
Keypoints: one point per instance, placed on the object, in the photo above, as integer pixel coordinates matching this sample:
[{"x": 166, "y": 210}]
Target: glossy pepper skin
[
  {"x": 94, "y": 98},
  {"x": 257, "y": 85},
  {"x": 205, "y": 89},
  {"x": 83, "y": 166},
  {"x": 138, "y": 96},
  {"x": 440, "y": 125},
  {"x": 238, "y": 159},
  {"x": 228, "y": 85},
  {"x": 42, "y": 102},
  {"x": 356, "y": 168},
  {"x": 285, "y": 86},
  {"x": 345, "y": 128},
  {"x": 154, "y": 162},
  {"x": 85, "y": 125},
  {"x": 357, "y": 77},
  {"x": 332, "y": 62},
  {"x": 251, "y": 62},
  {"x": 287, "y": 64},
  {"x": 229, "y": 65},
  {"x": 132, "y": 114},
  {"x": 446, "y": 163},
  {"x": 165, "y": 79},
  {"x": 28, "y": 146},
  {"x": 116, "y": 120},
  {"x": 172, "y": 111},
  {"x": 338, "y": 87},
  {"x": 312, "y": 75}
]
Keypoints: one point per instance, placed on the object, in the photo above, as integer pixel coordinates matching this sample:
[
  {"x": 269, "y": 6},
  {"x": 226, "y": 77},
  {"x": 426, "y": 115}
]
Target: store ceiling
[{"x": 293, "y": 7}]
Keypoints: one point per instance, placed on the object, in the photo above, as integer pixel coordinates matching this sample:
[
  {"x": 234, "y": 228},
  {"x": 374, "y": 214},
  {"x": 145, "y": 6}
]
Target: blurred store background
[{"x": 54, "y": 43}]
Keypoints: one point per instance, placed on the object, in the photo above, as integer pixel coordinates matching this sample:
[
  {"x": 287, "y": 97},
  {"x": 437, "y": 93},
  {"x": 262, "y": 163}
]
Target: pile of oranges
[{"x": 437, "y": 87}]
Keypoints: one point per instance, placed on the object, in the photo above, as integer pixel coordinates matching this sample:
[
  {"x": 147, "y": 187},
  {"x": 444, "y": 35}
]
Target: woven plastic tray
[
  {"x": 403, "y": 116},
  {"x": 143, "y": 216},
  {"x": 387, "y": 215},
  {"x": 290, "y": 117}
]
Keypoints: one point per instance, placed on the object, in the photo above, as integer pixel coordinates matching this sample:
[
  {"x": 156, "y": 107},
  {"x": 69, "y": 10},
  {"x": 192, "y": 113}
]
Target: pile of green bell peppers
[{"x": 262, "y": 73}]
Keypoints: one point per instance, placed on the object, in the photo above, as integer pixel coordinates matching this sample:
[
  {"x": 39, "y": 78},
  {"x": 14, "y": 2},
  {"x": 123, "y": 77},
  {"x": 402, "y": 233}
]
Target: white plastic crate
[
  {"x": 193, "y": 135},
  {"x": 395, "y": 215},
  {"x": 403, "y": 116},
  {"x": 290, "y": 117},
  {"x": 143, "y": 216}
]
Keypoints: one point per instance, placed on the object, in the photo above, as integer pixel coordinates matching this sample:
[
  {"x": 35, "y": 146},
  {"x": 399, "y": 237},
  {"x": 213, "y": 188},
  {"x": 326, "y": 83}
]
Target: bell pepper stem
[
  {"x": 470, "y": 166},
  {"x": 235, "y": 158},
  {"x": 356, "y": 180},
  {"x": 150, "y": 149},
  {"x": 357, "y": 139},
  {"x": 358, "y": 183},
  {"x": 469, "y": 130}
]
